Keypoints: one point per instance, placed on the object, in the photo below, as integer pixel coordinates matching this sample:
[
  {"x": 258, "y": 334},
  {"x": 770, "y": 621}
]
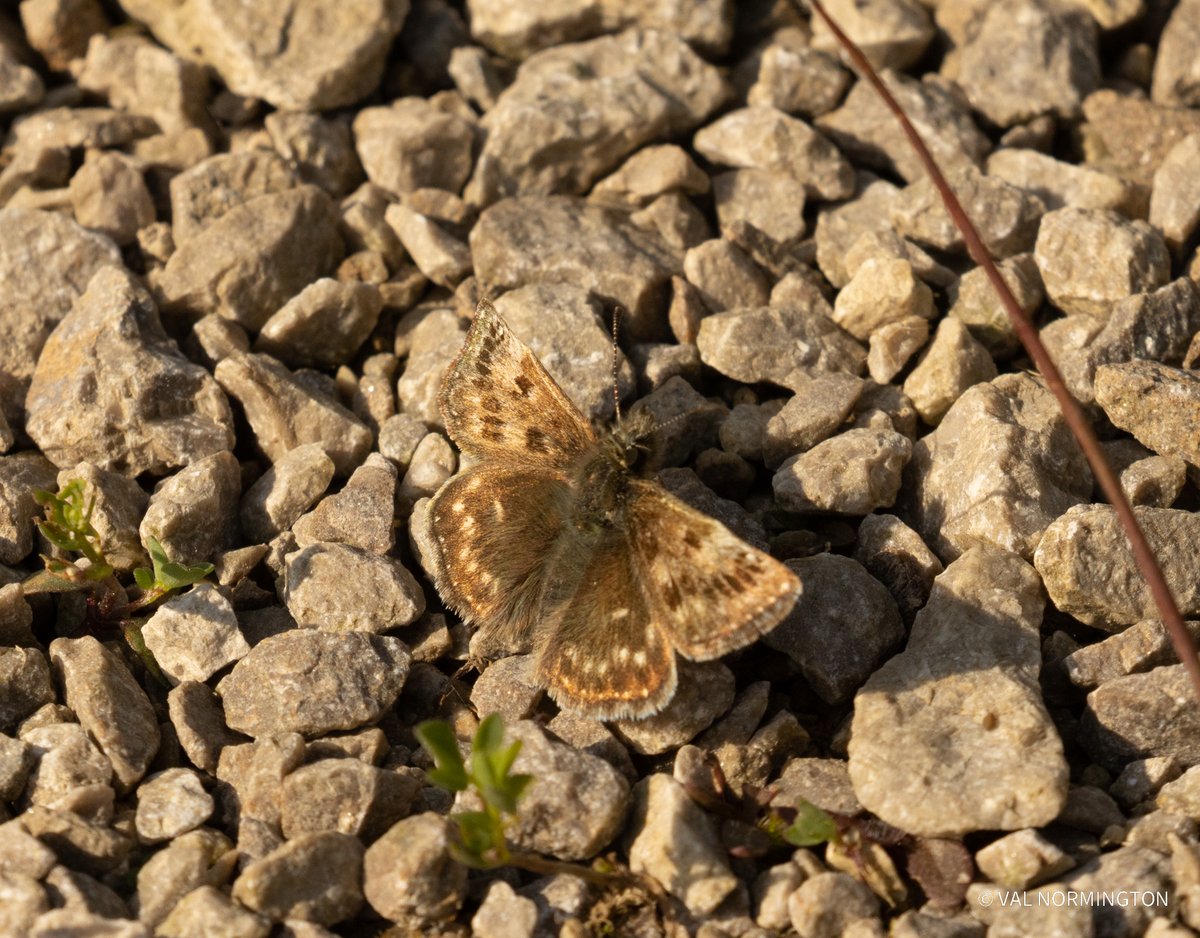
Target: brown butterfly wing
[
  {"x": 498, "y": 402},
  {"x": 493, "y": 526},
  {"x": 714, "y": 592},
  {"x": 603, "y": 650}
]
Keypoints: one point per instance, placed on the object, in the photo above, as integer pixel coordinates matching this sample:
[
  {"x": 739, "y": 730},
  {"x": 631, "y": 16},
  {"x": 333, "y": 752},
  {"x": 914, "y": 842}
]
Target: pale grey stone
[
  {"x": 879, "y": 293},
  {"x": 557, "y": 239},
  {"x": 347, "y": 795},
  {"x": 1059, "y": 184},
  {"x": 321, "y": 57},
  {"x": 323, "y": 325},
  {"x": 194, "y": 513},
  {"x": 893, "y": 344},
  {"x": 852, "y": 473},
  {"x": 285, "y": 491},
  {"x": 1084, "y": 560},
  {"x": 112, "y": 351},
  {"x": 832, "y": 904},
  {"x": 574, "y": 112},
  {"x": 110, "y": 705},
  {"x": 1141, "y": 716},
  {"x": 284, "y": 413},
  {"x": 675, "y": 842},
  {"x": 840, "y": 628},
  {"x": 1140, "y": 647},
  {"x": 1158, "y": 404},
  {"x": 21, "y": 474},
  {"x": 195, "y": 635},
  {"x": 169, "y": 804},
  {"x": 409, "y": 873},
  {"x": 865, "y": 130},
  {"x": 312, "y": 682},
  {"x": 412, "y": 143},
  {"x": 651, "y": 172},
  {"x": 197, "y": 858},
  {"x": 1089, "y": 259},
  {"x": 951, "y": 364},
  {"x": 785, "y": 345},
  {"x": 705, "y": 691},
  {"x": 339, "y": 588},
  {"x": 1050, "y": 58},
  {"x": 209, "y": 911},
  {"x": 316, "y": 877},
  {"x": 360, "y": 515},
  {"x": 890, "y": 33},
  {"x": 998, "y": 470},
  {"x": 1022, "y": 859},
  {"x": 766, "y": 138},
  {"x": 951, "y": 735},
  {"x": 1176, "y": 74},
  {"x": 504, "y": 914}
]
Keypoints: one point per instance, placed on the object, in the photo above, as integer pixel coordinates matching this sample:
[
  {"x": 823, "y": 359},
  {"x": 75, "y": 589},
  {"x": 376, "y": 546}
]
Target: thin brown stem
[{"x": 1143, "y": 555}]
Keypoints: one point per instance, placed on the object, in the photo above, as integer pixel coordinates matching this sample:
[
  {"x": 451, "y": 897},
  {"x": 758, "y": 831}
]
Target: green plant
[
  {"x": 68, "y": 526},
  {"x": 482, "y": 840}
]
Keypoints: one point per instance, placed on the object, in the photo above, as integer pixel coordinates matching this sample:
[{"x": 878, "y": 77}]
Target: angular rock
[
  {"x": 566, "y": 328},
  {"x": 345, "y": 795},
  {"x": 840, "y": 627},
  {"x": 1138, "y": 648},
  {"x": 651, "y": 172},
  {"x": 411, "y": 144},
  {"x": 576, "y": 803},
  {"x": 323, "y": 325},
  {"x": 1060, "y": 184},
  {"x": 1158, "y": 404},
  {"x": 197, "y": 858},
  {"x": 1176, "y": 75},
  {"x": 574, "y": 112},
  {"x": 770, "y": 200},
  {"x": 109, "y": 195},
  {"x": 998, "y": 470},
  {"x": 705, "y": 691},
  {"x": 797, "y": 79},
  {"x": 194, "y": 635},
  {"x": 199, "y": 723},
  {"x": 1050, "y": 61},
  {"x": 764, "y": 138},
  {"x": 951, "y": 364},
  {"x": 1090, "y": 259},
  {"x": 784, "y": 345},
  {"x": 974, "y": 302},
  {"x": 890, "y": 33},
  {"x": 20, "y": 476},
  {"x": 110, "y": 705},
  {"x": 558, "y": 239},
  {"x": 360, "y": 515},
  {"x": 881, "y": 292},
  {"x": 951, "y": 735},
  {"x": 313, "y": 682},
  {"x": 1089, "y": 573},
  {"x": 193, "y": 513},
  {"x": 285, "y": 491},
  {"x": 1128, "y": 136},
  {"x": 169, "y": 804},
  {"x": 832, "y": 904},
  {"x": 674, "y": 841},
  {"x": 893, "y": 345},
  {"x": 315, "y": 877},
  {"x": 866, "y": 131},
  {"x": 439, "y": 255},
  {"x": 853, "y": 473},
  {"x": 111, "y": 350},
  {"x": 253, "y": 259},
  {"x": 1005, "y": 216},
  {"x": 326, "y": 55},
  {"x": 810, "y": 417},
  {"x": 285, "y": 414},
  {"x": 202, "y": 194},
  {"x": 338, "y": 588},
  {"x": 408, "y": 872},
  {"x": 208, "y": 911}
]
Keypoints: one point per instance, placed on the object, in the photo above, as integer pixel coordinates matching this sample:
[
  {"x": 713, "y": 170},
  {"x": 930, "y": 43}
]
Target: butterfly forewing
[
  {"x": 491, "y": 524},
  {"x": 498, "y": 402},
  {"x": 714, "y": 592},
  {"x": 603, "y": 652}
]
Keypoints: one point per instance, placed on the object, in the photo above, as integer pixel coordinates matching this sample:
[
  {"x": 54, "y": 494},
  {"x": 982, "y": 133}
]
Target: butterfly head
[{"x": 628, "y": 441}]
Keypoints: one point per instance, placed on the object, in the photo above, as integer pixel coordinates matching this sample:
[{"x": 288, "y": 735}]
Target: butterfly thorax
[{"x": 602, "y": 477}]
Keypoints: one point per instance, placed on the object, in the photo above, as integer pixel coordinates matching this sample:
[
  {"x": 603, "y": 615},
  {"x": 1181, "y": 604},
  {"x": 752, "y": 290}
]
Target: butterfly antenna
[{"x": 616, "y": 350}]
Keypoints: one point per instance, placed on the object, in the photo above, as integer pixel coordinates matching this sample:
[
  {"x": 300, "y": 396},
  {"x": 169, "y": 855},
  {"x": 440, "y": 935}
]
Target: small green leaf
[
  {"x": 812, "y": 826},
  {"x": 438, "y": 739},
  {"x": 477, "y": 832},
  {"x": 143, "y": 578},
  {"x": 490, "y": 735},
  {"x": 50, "y": 581},
  {"x": 169, "y": 575},
  {"x": 502, "y": 761}
]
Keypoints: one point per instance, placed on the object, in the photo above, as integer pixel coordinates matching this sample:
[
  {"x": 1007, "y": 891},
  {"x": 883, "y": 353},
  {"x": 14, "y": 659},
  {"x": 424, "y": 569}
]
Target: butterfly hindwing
[
  {"x": 713, "y": 591},
  {"x": 603, "y": 652},
  {"x": 498, "y": 402}
]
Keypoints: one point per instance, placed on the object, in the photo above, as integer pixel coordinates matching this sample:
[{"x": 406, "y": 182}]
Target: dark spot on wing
[
  {"x": 673, "y": 598},
  {"x": 491, "y": 420},
  {"x": 536, "y": 440},
  {"x": 483, "y": 368},
  {"x": 490, "y": 404},
  {"x": 524, "y": 385},
  {"x": 692, "y": 540},
  {"x": 732, "y": 585}
]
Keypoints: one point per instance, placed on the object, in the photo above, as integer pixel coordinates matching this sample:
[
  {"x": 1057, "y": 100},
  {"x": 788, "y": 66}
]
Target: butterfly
[{"x": 550, "y": 540}]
